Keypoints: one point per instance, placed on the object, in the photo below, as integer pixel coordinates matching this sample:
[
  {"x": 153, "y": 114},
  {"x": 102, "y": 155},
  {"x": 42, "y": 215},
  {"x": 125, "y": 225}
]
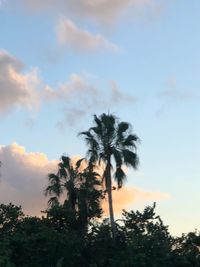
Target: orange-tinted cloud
[{"x": 128, "y": 195}]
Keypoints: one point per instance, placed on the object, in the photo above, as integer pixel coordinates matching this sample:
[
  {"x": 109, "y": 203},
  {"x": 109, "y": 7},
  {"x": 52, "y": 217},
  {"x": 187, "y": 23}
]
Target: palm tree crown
[{"x": 110, "y": 139}]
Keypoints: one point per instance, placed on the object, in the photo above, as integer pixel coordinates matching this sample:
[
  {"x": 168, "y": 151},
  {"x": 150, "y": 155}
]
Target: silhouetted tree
[
  {"x": 109, "y": 139},
  {"x": 148, "y": 240},
  {"x": 142, "y": 240},
  {"x": 186, "y": 250},
  {"x": 10, "y": 217},
  {"x": 80, "y": 186}
]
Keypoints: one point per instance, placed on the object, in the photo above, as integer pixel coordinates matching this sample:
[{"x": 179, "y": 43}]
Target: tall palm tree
[{"x": 111, "y": 140}]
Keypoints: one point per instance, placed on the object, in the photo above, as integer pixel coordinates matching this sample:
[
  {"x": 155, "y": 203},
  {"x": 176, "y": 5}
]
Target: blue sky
[{"x": 64, "y": 61}]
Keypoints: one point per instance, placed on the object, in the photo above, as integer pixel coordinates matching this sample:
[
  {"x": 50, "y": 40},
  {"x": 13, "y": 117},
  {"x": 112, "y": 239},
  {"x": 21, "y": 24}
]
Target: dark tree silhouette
[
  {"x": 108, "y": 140},
  {"x": 80, "y": 186}
]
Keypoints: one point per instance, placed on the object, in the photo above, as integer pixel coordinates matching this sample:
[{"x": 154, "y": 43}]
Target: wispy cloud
[
  {"x": 79, "y": 40},
  {"x": 174, "y": 92},
  {"x": 117, "y": 96},
  {"x": 17, "y": 89},
  {"x": 104, "y": 12},
  {"x": 79, "y": 97},
  {"x": 178, "y": 94}
]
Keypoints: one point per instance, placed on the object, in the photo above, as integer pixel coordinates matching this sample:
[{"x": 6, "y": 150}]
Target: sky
[{"x": 63, "y": 61}]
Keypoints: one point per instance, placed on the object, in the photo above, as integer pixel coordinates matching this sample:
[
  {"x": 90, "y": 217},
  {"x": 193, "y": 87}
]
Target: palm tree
[
  {"x": 81, "y": 187},
  {"x": 89, "y": 196},
  {"x": 111, "y": 140},
  {"x": 65, "y": 181}
]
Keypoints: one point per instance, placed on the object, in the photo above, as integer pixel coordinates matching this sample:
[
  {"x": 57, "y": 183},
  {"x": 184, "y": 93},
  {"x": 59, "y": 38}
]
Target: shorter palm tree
[
  {"x": 65, "y": 181},
  {"x": 80, "y": 188}
]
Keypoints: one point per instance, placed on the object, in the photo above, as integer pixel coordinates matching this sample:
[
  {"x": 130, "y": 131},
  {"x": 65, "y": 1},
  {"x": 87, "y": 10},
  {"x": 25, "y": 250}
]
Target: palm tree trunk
[{"x": 110, "y": 202}]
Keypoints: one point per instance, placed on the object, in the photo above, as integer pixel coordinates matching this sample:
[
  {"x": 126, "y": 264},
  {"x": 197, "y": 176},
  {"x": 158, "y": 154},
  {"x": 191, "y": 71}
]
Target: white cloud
[
  {"x": 16, "y": 88},
  {"x": 24, "y": 178},
  {"x": 79, "y": 40}
]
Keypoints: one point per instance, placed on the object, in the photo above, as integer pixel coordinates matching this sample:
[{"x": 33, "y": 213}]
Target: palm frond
[
  {"x": 93, "y": 156},
  {"x": 53, "y": 190},
  {"x": 97, "y": 121},
  {"x": 96, "y": 130},
  {"x": 117, "y": 156},
  {"x": 62, "y": 172},
  {"x": 78, "y": 163},
  {"x": 123, "y": 127},
  {"x": 55, "y": 187},
  {"x": 92, "y": 143},
  {"x": 108, "y": 122},
  {"x": 101, "y": 158},
  {"x": 121, "y": 132},
  {"x": 130, "y": 158},
  {"x": 52, "y": 177},
  {"x": 48, "y": 191},
  {"x": 53, "y": 201},
  {"x": 66, "y": 162},
  {"x": 86, "y": 133},
  {"x": 130, "y": 141},
  {"x": 120, "y": 176}
]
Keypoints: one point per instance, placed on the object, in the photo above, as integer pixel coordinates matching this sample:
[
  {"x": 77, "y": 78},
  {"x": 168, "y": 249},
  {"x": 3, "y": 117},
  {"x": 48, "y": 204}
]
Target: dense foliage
[{"x": 142, "y": 241}]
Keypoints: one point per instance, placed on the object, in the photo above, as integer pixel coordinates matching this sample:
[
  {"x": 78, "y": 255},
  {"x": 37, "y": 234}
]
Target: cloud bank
[
  {"x": 24, "y": 178},
  {"x": 78, "y": 40},
  {"x": 17, "y": 89}
]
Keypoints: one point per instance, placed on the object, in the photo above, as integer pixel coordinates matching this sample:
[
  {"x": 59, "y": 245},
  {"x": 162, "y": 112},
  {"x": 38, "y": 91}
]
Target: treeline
[
  {"x": 72, "y": 231},
  {"x": 142, "y": 240}
]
